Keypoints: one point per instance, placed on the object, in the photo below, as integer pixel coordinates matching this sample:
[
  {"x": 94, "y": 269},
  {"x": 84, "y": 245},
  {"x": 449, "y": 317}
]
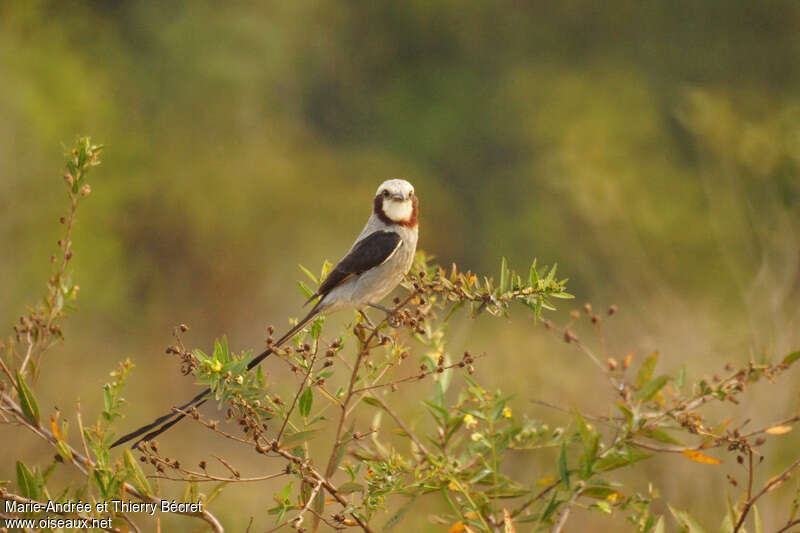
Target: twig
[
  {"x": 227, "y": 465},
  {"x": 300, "y": 389},
  {"x": 562, "y": 518},
  {"x": 539, "y": 496},
  {"x": 402, "y": 425},
  {"x": 773, "y": 481},
  {"x": 198, "y": 477},
  {"x": 298, "y": 520},
  {"x": 789, "y": 526}
]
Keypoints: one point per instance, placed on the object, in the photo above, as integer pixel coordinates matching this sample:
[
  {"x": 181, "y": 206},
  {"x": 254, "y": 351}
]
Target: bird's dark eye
[{"x": 385, "y": 193}]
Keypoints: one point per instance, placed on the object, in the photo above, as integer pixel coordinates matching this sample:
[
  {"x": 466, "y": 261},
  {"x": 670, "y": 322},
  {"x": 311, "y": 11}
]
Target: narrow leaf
[
  {"x": 700, "y": 457},
  {"x": 686, "y": 521},
  {"x": 297, "y": 438},
  {"x": 27, "y": 400},
  {"x": 791, "y": 358},
  {"x": 138, "y": 478},
  {"x": 562, "y": 465},
  {"x": 308, "y": 273},
  {"x": 650, "y": 389},
  {"x": 645, "y": 373},
  {"x": 27, "y": 481},
  {"x": 778, "y": 430},
  {"x": 306, "y": 400}
]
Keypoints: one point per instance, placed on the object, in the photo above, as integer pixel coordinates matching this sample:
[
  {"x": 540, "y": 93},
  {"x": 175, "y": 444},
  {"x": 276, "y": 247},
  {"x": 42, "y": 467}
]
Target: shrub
[{"x": 370, "y": 477}]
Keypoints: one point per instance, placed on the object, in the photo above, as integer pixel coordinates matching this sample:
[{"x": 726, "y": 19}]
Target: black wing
[{"x": 371, "y": 251}]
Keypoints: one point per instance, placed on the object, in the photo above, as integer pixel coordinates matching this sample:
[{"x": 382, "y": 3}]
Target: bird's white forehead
[{"x": 395, "y": 186}]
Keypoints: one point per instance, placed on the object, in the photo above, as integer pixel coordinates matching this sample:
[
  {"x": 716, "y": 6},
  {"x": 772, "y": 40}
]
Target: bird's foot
[{"x": 366, "y": 319}]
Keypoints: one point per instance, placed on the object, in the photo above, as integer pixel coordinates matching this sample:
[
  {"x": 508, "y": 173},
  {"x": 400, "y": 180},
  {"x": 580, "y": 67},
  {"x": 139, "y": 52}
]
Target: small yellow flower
[
  {"x": 470, "y": 421},
  {"x": 506, "y": 412},
  {"x": 476, "y": 437},
  {"x": 217, "y": 366},
  {"x": 452, "y": 486}
]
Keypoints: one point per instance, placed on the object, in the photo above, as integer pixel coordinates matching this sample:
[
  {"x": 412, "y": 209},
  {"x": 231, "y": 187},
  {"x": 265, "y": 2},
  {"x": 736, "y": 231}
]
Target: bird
[{"x": 374, "y": 265}]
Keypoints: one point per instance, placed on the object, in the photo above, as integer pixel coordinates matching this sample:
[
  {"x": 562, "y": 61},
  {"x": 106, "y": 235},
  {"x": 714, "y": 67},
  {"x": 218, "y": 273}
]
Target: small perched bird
[{"x": 380, "y": 257}]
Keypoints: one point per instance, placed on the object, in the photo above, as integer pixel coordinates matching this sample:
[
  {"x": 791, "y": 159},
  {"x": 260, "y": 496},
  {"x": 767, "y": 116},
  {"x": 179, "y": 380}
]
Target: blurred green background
[{"x": 651, "y": 148}]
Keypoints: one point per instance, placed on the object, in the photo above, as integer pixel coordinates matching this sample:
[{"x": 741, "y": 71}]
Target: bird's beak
[{"x": 398, "y": 197}]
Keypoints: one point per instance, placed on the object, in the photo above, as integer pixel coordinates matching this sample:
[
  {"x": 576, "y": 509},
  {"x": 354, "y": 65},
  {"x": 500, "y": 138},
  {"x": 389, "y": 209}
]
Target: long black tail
[{"x": 156, "y": 428}]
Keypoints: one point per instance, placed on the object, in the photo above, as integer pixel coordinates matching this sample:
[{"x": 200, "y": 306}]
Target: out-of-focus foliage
[{"x": 650, "y": 148}]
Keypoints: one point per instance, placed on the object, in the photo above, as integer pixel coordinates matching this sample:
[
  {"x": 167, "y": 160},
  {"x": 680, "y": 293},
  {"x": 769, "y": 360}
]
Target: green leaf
[
  {"x": 646, "y": 371},
  {"x": 562, "y": 465},
  {"x": 64, "y": 450},
  {"x": 600, "y": 493},
  {"x": 316, "y": 328},
  {"x": 215, "y": 492},
  {"x": 650, "y": 389},
  {"x": 686, "y": 521},
  {"x": 662, "y": 436},
  {"x": 350, "y": 487},
  {"x": 552, "y": 505},
  {"x": 583, "y": 429},
  {"x": 757, "y": 522},
  {"x": 306, "y": 400},
  {"x": 533, "y": 275},
  {"x": 503, "y": 275},
  {"x": 27, "y": 400},
  {"x": 369, "y": 400},
  {"x": 306, "y": 291},
  {"x": 616, "y": 460},
  {"x": 308, "y": 273},
  {"x": 551, "y": 275},
  {"x": 297, "y": 438},
  {"x": 286, "y": 492},
  {"x": 136, "y": 474},
  {"x": 681, "y": 378},
  {"x": 791, "y": 358},
  {"x": 28, "y": 485},
  {"x": 326, "y": 268}
]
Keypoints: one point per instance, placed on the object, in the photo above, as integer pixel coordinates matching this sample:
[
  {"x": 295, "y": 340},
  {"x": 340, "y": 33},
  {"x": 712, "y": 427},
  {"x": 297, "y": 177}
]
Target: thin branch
[
  {"x": 562, "y": 518},
  {"x": 300, "y": 389},
  {"x": 771, "y": 483},
  {"x": 789, "y": 525},
  {"x": 298, "y": 520},
  {"x": 402, "y": 425}
]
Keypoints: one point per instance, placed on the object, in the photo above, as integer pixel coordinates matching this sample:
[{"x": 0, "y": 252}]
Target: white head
[{"x": 396, "y": 203}]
